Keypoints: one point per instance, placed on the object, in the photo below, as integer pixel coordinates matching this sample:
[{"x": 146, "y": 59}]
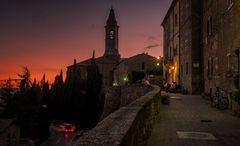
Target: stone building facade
[
  {"x": 182, "y": 31},
  {"x": 221, "y": 44},
  {"x": 141, "y": 63},
  {"x": 171, "y": 43},
  {"x": 209, "y": 43}
]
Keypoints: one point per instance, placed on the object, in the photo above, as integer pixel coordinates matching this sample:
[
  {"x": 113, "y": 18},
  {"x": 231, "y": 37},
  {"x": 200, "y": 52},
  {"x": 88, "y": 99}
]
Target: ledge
[{"x": 128, "y": 126}]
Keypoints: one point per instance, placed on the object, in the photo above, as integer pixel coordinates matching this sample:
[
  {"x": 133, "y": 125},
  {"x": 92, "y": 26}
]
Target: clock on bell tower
[{"x": 111, "y": 36}]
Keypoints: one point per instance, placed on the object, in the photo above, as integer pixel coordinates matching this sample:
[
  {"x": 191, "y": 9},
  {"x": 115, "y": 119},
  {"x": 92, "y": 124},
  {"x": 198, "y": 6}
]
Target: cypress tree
[{"x": 93, "y": 90}]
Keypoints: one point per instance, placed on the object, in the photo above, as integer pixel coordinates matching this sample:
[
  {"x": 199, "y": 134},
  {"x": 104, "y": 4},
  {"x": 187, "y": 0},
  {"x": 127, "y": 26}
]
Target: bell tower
[{"x": 111, "y": 36}]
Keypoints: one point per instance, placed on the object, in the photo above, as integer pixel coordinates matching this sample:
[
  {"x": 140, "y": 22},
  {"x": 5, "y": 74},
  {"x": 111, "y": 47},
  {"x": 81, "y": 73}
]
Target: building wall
[
  {"x": 211, "y": 44},
  {"x": 141, "y": 62},
  {"x": 171, "y": 43},
  {"x": 196, "y": 66},
  {"x": 107, "y": 73},
  {"x": 221, "y": 45},
  {"x": 209, "y": 40},
  {"x": 120, "y": 96},
  {"x": 185, "y": 44},
  {"x": 182, "y": 42},
  {"x": 10, "y": 137}
]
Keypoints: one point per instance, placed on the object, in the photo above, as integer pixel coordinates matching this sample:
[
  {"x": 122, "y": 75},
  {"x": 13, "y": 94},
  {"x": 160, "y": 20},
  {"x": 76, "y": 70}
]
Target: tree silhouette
[
  {"x": 57, "y": 97},
  {"x": 7, "y": 94},
  {"x": 25, "y": 83},
  {"x": 45, "y": 91},
  {"x": 93, "y": 90}
]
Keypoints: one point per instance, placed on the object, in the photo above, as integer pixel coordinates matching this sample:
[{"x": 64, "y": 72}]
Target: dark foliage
[
  {"x": 26, "y": 107},
  {"x": 136, "y": 76},
  {"x": 157, "y": 70},
  {"x": 94, "y": 86},
  {"x": 36, "y": 105}
]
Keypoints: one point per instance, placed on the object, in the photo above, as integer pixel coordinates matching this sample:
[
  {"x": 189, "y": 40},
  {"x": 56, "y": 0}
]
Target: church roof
[
  {"x": 141, "y": 55},
  {"x": 136, "y": 58},
  {"x": 112, "y": 60},
  {"x": 111, "y": 18},
  {"x": 99, "y": 60}
]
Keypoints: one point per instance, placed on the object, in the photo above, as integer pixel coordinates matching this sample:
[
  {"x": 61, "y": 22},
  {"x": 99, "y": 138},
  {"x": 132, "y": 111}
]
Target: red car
[{"x": 69, "y": 129}]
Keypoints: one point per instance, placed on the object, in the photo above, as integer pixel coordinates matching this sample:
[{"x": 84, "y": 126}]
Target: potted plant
[
  {"x": 165, "y": 99},
  {"x": 235, "y": 96}
]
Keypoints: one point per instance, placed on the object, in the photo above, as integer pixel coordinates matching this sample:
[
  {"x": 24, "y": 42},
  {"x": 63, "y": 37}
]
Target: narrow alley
[{"x": 189, "y": 120}]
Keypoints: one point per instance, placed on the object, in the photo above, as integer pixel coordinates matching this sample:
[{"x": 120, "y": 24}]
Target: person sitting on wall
[
  {"x": 166, "y": 86},
  {"x": 173, "y": 87}
]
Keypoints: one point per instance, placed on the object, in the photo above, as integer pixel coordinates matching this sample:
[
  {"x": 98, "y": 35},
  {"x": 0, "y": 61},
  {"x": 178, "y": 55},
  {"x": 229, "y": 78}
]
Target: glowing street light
[
  {"x": 125, "y": 79},
  {"x": 115, "y": 83}
]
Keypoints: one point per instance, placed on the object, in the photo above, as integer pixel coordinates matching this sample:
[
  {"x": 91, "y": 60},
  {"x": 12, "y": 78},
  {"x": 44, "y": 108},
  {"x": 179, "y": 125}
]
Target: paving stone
[{"x": 184, "y": 113}]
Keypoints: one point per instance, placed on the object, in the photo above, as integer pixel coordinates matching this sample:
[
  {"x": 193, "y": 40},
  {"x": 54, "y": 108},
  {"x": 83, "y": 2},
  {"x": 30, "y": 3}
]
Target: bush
[
  {"x": 236, "y": 95},
  {"x": 136, "y": 76}
]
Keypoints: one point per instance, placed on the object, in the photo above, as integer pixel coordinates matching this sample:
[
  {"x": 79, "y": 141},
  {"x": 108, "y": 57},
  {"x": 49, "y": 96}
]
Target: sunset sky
[{"x": 46, "y": 35}]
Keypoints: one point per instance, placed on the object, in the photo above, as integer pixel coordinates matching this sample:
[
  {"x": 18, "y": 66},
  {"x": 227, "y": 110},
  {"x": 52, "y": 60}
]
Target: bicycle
[{"x": 220, "y": 99}]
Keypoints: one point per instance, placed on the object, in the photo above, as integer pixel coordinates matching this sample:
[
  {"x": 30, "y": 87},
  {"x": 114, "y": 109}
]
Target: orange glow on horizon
[{"x": 37, "y": 70}]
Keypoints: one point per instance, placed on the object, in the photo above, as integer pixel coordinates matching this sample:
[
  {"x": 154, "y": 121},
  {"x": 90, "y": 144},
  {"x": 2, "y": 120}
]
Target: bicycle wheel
[
  {"x": 223, "y": 104},
  {"x": 214, "y": 101}
]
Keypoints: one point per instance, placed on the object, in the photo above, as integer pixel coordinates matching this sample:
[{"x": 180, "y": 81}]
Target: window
[
  {"x": 228, "y": 62},
  {"x": 170, "y": 52},
  {"x": 216, "y": 66},
  {"x": 186, "y": 68},
  {"x": 176, "y": 19},
  {"x": 210, "y": 68},
  {"x": 209, "y": 26},
  {"x": 143, "y": 65},
  {"x": 233, "y": 63},
  {"x": 175, "y": 51},
  {"x": 181, "y": 71}
]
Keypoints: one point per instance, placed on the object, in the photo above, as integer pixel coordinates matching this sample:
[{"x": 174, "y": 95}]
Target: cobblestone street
[{"x": 191, "y": 113}]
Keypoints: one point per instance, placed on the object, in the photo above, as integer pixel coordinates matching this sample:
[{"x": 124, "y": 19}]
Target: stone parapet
[
  {"x": 129, "y": 126},
  {"x": 120, "y": 96}
]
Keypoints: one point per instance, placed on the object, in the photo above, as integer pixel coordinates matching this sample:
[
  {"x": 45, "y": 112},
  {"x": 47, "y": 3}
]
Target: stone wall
[
  {"x": 129, "y": 126},
  {"x": 116, "y": 97}
]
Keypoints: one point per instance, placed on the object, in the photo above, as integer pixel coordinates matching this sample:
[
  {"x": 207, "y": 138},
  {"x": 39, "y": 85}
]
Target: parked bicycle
[{"x": 220, "y": 99}]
